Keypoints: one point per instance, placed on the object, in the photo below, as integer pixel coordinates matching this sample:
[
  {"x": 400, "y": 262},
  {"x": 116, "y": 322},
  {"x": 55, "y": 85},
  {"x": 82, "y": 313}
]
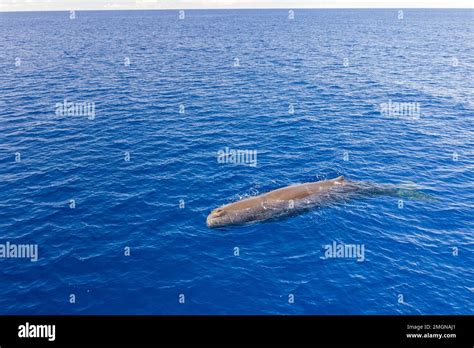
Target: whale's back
[{"x": 301, "y": 191}]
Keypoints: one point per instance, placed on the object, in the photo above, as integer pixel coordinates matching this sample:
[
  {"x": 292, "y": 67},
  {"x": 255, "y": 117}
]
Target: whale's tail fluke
[
  {"x": 408, "y": 191},
  {"x": 412, "y": 192}
]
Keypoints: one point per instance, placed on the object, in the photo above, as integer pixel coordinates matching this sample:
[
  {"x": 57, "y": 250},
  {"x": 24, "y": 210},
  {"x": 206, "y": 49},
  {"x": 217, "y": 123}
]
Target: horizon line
[{"x": 237, "y": 8}]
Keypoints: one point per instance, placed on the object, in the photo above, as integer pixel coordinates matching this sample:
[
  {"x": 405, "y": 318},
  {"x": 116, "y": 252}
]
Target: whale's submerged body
[{"x": 296, "y": 199}]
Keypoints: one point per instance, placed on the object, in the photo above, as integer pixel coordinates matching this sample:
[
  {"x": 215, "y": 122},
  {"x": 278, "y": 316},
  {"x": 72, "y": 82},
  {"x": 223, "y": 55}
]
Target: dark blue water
[{"x": 335, "y": 67}]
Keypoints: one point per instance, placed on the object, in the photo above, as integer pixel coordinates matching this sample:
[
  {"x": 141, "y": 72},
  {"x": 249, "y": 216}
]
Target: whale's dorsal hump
[{"x": 339, "y": 179}]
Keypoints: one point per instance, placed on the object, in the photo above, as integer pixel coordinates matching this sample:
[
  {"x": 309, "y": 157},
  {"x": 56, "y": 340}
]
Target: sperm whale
[{"x": 298, "y": 198}]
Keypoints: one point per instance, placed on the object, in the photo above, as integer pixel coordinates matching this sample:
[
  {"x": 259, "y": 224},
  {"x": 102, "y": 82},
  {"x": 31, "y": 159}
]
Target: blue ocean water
[{"x": 304, "y": 93}]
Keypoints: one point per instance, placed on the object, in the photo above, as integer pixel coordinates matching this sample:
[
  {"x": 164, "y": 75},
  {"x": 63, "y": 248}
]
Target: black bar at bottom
[{"x": 136, "y": 330}]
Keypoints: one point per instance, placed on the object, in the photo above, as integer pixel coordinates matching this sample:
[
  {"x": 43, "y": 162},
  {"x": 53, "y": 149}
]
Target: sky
[{"x": 66, "y": 5}]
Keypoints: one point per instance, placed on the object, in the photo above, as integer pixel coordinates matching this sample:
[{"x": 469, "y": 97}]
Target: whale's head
[{"x": 219, "y": 217}]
